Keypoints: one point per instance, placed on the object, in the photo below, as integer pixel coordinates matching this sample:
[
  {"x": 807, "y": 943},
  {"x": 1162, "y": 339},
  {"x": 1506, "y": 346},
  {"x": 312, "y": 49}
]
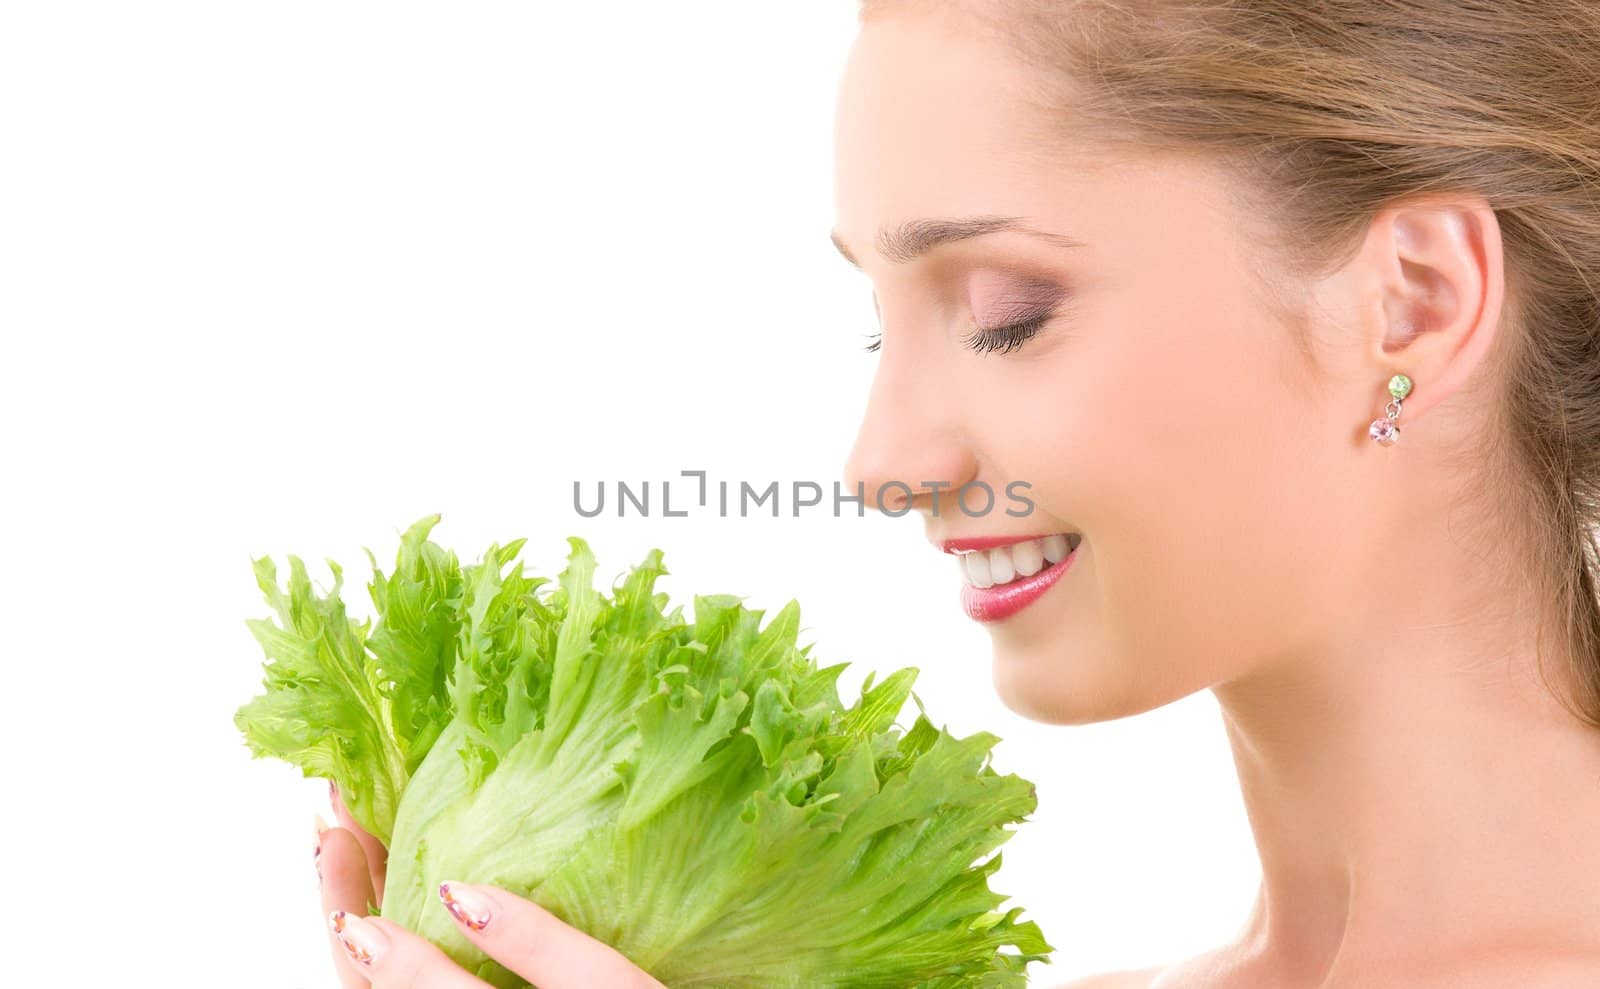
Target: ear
[{"x": 1441, "y": 285}]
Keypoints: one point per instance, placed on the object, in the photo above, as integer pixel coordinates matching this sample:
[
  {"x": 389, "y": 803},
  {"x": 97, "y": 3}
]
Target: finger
[
  {"x": 534, "y": 943},
  {"x": 377, "y": 856},
  {"x": 346, "y": 885},
  {"x": 394, "y": 958}
]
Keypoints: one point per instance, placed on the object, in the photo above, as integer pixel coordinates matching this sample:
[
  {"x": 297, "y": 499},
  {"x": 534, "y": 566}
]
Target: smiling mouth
[{"x": 1000, "y": 565}]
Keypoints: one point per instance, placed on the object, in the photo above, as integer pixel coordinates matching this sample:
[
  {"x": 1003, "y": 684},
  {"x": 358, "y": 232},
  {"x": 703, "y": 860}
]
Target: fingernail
[
  {"x": 465, "y": 904},
  {"x": 360, "y": 937}
]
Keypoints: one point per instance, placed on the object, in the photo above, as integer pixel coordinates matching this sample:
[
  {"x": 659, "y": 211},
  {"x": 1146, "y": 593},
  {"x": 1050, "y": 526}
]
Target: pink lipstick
[{"x": 1009, "y": 592}]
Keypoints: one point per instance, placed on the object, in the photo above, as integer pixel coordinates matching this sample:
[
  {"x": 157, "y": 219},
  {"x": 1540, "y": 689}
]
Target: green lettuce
[{"x": 691, "y": 791}]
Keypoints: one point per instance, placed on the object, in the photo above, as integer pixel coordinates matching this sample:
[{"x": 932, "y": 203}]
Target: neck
[{"x": 1418, "y": 788}]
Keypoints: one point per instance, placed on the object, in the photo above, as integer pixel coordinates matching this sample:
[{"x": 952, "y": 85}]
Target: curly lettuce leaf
[{"x": 692, "y": 792}]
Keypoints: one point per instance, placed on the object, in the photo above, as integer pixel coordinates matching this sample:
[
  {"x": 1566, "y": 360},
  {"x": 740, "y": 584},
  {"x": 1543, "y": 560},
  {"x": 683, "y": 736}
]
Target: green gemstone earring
[{"x": 1384, "y": 430}]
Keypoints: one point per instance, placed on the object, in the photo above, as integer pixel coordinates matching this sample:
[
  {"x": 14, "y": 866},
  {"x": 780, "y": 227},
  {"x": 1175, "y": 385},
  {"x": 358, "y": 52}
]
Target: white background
[{"x": 284, "y": 277}]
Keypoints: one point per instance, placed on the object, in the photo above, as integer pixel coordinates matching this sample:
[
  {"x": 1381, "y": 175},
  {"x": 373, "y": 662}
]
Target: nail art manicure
[
  {"x": 465, "y": 905},
  {"x": 360, "y": 938}
]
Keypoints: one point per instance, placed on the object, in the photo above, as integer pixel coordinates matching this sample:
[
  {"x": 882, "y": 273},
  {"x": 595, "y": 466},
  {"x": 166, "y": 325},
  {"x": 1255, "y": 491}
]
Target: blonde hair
[{"x": 1329, "y": 111}]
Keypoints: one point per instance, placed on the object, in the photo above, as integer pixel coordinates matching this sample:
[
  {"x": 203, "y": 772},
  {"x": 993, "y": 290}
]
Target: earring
[{"x": 1384, "y": 430}]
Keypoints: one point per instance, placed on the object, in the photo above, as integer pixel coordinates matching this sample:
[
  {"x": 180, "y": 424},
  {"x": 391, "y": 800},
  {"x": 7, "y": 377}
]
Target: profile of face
[{"x": 1159, "y": 409}]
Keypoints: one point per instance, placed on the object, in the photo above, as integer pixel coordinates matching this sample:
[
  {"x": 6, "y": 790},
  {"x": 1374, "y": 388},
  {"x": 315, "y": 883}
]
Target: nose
[{"x": 910, "y": 451}]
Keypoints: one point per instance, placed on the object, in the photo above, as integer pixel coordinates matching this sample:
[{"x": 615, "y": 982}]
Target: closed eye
[{"x": 1005, "y": 339}]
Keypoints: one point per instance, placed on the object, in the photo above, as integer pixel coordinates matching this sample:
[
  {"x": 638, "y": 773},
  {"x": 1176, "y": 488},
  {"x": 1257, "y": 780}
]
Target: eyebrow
[{"x": 914, "y": 238}]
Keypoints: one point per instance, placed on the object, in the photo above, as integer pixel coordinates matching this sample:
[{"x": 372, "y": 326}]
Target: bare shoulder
[{"x": 1131, "y": 979}]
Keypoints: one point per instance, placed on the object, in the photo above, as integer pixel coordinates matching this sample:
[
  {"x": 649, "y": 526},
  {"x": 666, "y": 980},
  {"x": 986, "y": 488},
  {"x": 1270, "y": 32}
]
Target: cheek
[
  {"x": 1169, "y": 447},
  {"x": 1207, "y": 491}
]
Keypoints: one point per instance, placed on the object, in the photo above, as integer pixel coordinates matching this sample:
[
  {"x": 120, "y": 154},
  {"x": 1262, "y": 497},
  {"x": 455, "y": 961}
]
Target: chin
[
  {"x": 1045, "y": 689},
  {"x": 1039, "y": 692}
]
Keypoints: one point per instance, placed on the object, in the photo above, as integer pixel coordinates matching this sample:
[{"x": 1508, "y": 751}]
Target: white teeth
[
  {"x": 1003, "y": 564},
  {"x": 977, "y": 565},
  {"x": 1055, "y": 548},
  {"x": 1000, "y": 567},
  {"x": 1028, "y": 558}
]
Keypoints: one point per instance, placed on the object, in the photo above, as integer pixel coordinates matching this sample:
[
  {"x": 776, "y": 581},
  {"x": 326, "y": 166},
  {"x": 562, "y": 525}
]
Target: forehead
[{"x": 934, "y": 118}]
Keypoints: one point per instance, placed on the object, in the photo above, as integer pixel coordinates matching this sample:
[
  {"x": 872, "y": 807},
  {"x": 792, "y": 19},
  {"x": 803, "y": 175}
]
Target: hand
[{"x": 519, "y": 934}]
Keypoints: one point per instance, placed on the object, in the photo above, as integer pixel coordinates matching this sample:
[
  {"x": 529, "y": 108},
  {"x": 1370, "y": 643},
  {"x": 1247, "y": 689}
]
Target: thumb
[
  {"x": 377, "y": 856},
  {"x": 346, "y": 884}
]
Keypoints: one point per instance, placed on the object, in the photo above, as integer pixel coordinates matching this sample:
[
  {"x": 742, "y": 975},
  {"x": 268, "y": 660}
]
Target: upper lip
[{"x": 970, "y": 543}]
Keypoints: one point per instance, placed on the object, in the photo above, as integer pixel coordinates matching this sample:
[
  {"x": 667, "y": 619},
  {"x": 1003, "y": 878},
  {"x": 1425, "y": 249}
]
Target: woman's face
[{"x": 1162, "y": 412}]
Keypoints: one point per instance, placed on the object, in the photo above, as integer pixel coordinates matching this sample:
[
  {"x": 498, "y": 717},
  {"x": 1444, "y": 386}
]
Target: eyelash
[
  {"x": 1002, "y": 338},
  {"x": 1005, "y": 338}
]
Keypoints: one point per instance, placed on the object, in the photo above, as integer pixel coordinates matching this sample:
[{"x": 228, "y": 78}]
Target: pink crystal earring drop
[{"x": 1384, "y": 430}]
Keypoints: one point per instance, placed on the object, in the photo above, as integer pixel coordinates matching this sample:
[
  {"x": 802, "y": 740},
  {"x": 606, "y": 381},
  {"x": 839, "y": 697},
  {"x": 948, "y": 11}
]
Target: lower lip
[{"x": 991, "y": 604}]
